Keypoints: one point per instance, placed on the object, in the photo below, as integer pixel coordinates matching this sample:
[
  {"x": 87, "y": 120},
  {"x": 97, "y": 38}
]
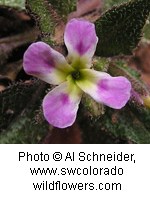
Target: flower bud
[{"x": 146, "y": 101}]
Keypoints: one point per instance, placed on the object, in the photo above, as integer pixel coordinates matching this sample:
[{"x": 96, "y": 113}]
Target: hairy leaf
[
  {"x": 14, "y": 3},
  {"x": 44, "y": 17},
  {"x": 19, "y": 108},
  {"x": 116, "y": 126},
  {"x": 64, "y": 7},
  {"x": 120, "y": 28}
]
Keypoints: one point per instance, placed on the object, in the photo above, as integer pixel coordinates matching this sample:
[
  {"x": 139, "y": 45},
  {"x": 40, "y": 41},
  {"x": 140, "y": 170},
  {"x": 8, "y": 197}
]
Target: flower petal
[
  {"x": 80, "y": 38},
  {"x": 61, "y": 104},
  {"x": 111, "y": 91},
  {"x": 42, "y": 61}
]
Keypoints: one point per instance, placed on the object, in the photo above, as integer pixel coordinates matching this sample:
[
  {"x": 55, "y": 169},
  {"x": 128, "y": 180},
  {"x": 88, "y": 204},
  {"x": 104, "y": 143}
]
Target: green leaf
[
  {"x": 14, "y": 3},
  {"x": 147, "y": 29},
  {"x": 120, "y": 28},
  {"x": 24, "y": 129},
  {"x": 45, "y": 18},
  {"x": 18, "y": 112},
  {"x": 50, "y": 16},
  {"x": 127, "y": 124},
  {"x": 63, "y": 7},
  {"x": 109, "y": 3},
  {"x": 116, "y": 126}
]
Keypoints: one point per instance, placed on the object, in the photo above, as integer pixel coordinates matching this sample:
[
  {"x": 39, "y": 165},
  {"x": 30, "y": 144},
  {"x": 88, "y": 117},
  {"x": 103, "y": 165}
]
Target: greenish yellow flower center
[
  {"x": 76, "y": 75},
  {"x": 78, "y": 65}
]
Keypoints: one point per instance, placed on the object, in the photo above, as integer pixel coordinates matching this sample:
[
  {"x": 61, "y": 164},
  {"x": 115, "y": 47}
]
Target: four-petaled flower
[{"x": 73, "y": 76}]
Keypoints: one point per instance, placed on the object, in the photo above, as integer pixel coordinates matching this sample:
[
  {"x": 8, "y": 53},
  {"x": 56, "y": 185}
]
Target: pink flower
[{"x": 73, "y": 76}]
